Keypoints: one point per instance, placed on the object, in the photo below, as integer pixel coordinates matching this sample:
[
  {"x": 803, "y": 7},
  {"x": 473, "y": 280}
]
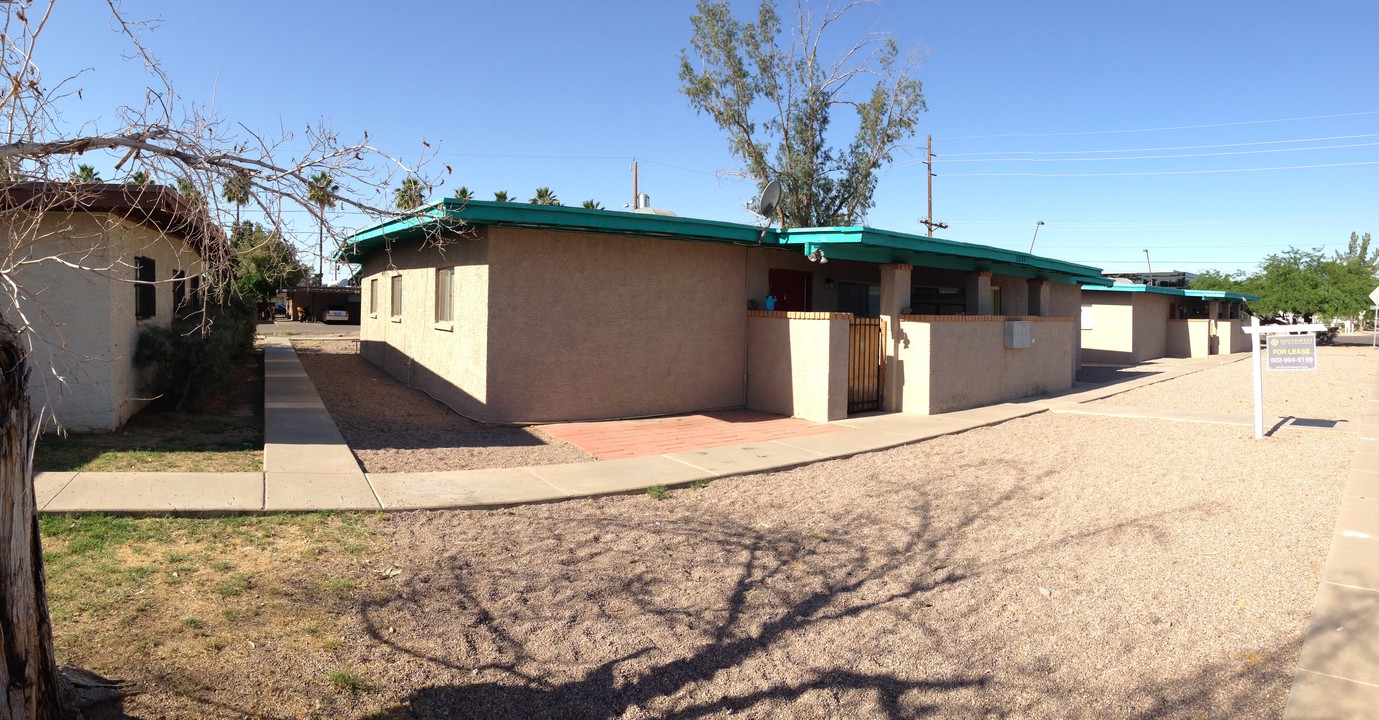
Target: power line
[
  {"x": 1151, "y": 173},
  {"x": 1159, "y": 129},
  {"x": 1165, "y": 157},
  {"x": 1154, "y": 149}
]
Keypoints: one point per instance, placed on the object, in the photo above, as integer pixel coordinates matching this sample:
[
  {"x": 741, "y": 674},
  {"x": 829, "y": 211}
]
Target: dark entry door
[{"x": 793, "y": 289}]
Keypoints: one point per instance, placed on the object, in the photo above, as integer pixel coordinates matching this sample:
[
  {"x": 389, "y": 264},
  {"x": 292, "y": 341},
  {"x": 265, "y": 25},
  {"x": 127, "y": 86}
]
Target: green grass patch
[
  {"x": 658, "y": 492},
  {"x": 349, "y": 680}
]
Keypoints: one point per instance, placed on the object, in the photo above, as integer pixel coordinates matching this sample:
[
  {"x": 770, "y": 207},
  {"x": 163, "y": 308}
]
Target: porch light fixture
[{"x": 817, "y": 255}]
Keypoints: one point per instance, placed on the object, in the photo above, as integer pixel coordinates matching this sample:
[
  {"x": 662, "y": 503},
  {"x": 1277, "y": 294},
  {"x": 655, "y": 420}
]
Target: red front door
[{"x": 793, "y": 289}]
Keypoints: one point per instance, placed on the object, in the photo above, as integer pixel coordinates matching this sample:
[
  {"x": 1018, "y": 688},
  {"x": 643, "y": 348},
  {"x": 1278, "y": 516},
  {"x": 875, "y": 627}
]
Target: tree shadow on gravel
[{"x": 599, "y": 616}]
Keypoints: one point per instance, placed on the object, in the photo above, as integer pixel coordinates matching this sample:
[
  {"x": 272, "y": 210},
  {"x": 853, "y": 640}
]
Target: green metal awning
[
  {"x": 1182, "y": 292},
  {"x": 860, "y": 244}
]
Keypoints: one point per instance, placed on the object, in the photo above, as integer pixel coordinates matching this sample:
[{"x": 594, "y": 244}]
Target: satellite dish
[{"x": 770, "y": 198}]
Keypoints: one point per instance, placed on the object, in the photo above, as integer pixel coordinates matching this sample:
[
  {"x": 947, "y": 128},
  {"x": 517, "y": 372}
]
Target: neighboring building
[
  {"x": 314, "y": 302},
  {"x": 1164, "y": 278},
  {"x": 1128, "y": 323},
  {"x": 101, "y": 262},
  {"x": 519, "y": 313}
]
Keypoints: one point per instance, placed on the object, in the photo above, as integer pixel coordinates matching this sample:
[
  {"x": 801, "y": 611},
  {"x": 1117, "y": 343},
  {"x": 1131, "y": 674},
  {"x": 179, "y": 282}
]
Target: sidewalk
[{"x": 308, "y": 466}]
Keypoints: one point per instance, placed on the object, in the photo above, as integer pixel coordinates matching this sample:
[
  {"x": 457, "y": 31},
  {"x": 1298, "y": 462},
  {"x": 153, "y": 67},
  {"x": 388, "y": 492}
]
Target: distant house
[
  {"x": 1130, "y": 323},
  {"x": 519, "y": 313},
  {"x": 96, "y": 264}
]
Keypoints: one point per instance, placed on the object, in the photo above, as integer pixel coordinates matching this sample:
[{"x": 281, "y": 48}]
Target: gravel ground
[
  {"x": 1337, "y": 390},
  {"x": 1056, "y": 566},
  {"x": 393, "y": 428},
  {"x": 1052, "y": 567}
]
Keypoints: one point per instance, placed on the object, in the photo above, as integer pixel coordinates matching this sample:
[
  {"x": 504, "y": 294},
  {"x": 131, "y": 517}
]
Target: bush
[{"x": 197, "y": 354}]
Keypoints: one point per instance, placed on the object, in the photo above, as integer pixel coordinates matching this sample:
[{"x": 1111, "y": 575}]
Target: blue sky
[{"x": 1122, "y": 126}]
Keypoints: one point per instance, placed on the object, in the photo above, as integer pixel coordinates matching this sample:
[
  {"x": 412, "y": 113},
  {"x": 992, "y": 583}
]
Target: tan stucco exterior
[
  {"x": 1134, "y": 327},
  {"x": 557, "y": 326},
  {"x": 84, "y": 331},
  {"x": 954, "y": 363},
  {"x": 797, "y": 364}
]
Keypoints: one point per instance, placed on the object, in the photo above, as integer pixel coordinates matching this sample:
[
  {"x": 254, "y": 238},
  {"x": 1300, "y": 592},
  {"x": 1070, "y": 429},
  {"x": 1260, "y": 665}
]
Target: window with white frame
[
  {"x": 445, "y": 295},
  {"x": 396, "y": 283}
]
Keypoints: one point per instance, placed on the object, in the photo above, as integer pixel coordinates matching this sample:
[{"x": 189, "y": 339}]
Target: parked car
[
  {"x": 336, "y": 314},
  {"x": 280, "y": 310}
]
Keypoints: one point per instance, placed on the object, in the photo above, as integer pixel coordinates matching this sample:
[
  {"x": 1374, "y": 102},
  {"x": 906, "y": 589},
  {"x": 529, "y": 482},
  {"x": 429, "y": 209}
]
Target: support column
[
  {"x": 1214, "y": 309},
  {"x": 895, "y": 295},
  {"x": 979, "y": 293},
  {"x": 1039, "y": 297}
]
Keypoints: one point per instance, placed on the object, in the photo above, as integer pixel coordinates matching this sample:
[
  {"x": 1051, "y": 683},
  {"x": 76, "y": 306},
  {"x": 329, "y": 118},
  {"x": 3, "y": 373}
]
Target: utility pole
[
  {"x": 634, "y": 184},
  {"x": 929, "y": 171}
]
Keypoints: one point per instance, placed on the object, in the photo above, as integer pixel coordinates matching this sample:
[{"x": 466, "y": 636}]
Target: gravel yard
[
  {"x": 1055, "y": 566},
  {"x": 394, "y": 428},
  {"x": 1337, "y": 390}
]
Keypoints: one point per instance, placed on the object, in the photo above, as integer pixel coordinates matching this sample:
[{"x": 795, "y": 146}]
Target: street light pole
[{"x": 1037, "y": 225}]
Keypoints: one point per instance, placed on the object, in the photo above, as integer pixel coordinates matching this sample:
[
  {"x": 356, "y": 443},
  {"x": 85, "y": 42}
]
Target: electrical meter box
[{"x": 1018, "y": 333}]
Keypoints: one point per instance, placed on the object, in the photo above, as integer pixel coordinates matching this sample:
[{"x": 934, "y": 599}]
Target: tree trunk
[{"x": 28, "y": 668}]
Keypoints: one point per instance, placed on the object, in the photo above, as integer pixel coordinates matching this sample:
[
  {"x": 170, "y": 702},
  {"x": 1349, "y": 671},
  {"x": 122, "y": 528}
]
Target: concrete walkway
[{"x": 308, "y": 466}]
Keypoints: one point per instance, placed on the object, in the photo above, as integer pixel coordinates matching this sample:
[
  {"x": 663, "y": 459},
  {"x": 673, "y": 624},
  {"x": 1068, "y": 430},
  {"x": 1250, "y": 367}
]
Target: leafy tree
[
  {"x": 464, "y": 193},
  {"x": 321, "y": 190},
  {"x": 139, "y": 177},
  {"x": 501, "y": 196},
  {"x": 410, "y": 195},
  {"x": 263, "y": 262},
  {"x": 1311, "y": 285},
  {"x": 1358, "y": 251},
  {"x": 592, "y": 205},
  {"x": 544, "y": 196},
  {"x": 85, "y": 174},
  {"x": 1217, "y": 280},
  {"x": 775, "y": 101},
  {"x": 235, "y": 190}
]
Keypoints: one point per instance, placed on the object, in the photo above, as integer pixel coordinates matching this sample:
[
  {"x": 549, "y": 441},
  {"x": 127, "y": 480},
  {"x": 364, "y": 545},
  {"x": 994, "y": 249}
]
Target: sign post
[
  {"x": 1374, "y": 297},
  {"x": 1293, "y": 352}
]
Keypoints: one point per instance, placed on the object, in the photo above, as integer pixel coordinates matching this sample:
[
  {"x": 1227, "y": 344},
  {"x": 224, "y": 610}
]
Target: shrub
[{"x": 195, "y": 356}]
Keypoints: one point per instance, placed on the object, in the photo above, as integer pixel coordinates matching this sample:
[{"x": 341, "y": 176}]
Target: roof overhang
[
  {"x": 859, "y": 244},
  {"x": 158, "y": 207},
  {"x": 1181, "y": 292}
]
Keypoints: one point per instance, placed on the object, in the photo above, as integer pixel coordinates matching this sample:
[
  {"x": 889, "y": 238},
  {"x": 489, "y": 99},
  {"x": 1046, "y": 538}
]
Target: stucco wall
[
  {"x": 1150, "y": 326},
  {"x": 1234, "y": 339},
  {"x": 590, "y": 326},
  {"x": 959, "y": 363},
  {"x": 797, "y": 364},
  {"x": 447, "y": 360},
  {"x": 1188, "y": 338},
  {"x": 1014, "y": 294},
  {"x": 1111, "y": 337},
  {"x": 85, "y": 332}
]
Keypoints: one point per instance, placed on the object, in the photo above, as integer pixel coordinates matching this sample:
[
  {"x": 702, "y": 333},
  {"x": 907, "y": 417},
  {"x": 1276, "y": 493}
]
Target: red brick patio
[{"x": 616, "y": 439}]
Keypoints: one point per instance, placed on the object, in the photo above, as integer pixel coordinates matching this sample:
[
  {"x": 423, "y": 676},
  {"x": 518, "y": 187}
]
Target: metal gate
[{"x": 866, "y": 361}]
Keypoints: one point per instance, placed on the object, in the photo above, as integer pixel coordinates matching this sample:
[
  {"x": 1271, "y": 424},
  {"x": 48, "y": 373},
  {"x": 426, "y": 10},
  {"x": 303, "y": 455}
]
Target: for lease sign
[{"x": 1293, "y": 352}]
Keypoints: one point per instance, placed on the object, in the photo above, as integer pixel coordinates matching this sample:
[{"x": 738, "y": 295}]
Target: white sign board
[{"x": 1375, "y": 296}]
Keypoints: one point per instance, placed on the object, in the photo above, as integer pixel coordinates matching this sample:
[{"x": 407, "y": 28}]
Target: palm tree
[
  {"x": 464, "y": 194},
  {"x": 86, "y": 174},
  {"x": 409, "y": 195},
  {"x": 236, "y": 190},
  {"x": 320, "y": 190},
  {"x": 188, "y": 191},
  {"x": 592, "y": 205},
  {"x": 140, "y": 178},
  {"x": 544, "y": 196},
  {"x": 501, "y": 196}
]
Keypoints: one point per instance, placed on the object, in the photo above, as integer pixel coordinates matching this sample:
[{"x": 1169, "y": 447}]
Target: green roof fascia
[
  {"x": 546, "y": 217},
  {"x": 1182, "y": 292},
  {"x": 884, "y": 246}
]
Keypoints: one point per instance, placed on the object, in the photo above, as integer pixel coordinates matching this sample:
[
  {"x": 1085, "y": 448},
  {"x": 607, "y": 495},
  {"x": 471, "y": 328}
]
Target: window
[
  {"x": 196, "y": 287},
  {"x": 996, "y": 301},
  {"x": 145, "y": 292},
  {"x": 1087, "y": 317},
  {"x": 373, "y": 297},
  {"x": 179, "y": 289},
  {"x": 397, "y": 296},
  {"x": 445, "y": 299}
]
